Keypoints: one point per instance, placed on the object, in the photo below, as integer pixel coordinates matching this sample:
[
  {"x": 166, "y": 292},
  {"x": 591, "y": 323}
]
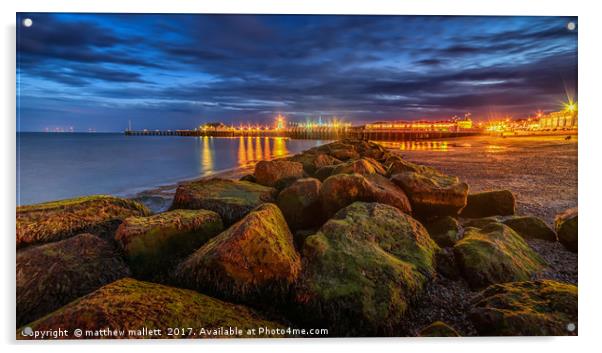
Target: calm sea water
[{"x": 53, "y": 166}]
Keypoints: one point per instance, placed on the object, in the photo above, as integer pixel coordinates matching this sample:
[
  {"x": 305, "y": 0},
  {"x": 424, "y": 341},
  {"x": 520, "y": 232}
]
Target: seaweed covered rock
[
  {"x": 489, "y": 203},
  {"x": 535, "y": 308},
  {"x": 156, "y": 243},
  {"x": 51, "y": 275},
  {"x": 341, "y": 190},
  {"x": 313, "y": 160},
  {"x": 254, "y": 259},
  {"x": 480, "y": 222},
  {"x": 363, "y": 268},
  {"x": 530, "y": 227},
  {"x": 431, "y": 193},
  {"x": 438, "y": 329},
  {"x": 445, "y": 231},
  {"x": 231, "y": 199},
  {"x": 363, "y": 166},
  {"x": 129, "y": 304},
  {"x": 269, "y": 173},
  {"x": 495, "y": 254},
  {"x": 566, "y": 227},
  {"x": 300, "y": 204},
  {"x": 57, "y": 220}
]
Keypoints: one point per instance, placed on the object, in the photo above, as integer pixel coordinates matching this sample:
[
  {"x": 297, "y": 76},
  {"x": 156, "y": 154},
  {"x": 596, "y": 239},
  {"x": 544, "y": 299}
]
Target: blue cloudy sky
[{"x": 97, "y": 71}]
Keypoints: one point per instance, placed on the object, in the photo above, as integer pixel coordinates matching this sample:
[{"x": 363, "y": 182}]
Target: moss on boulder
[
  {"x": 363, "y": 268},
  {"x": 432, "y": 193},
  {"x": 445, "y": 231},
  {"x": 495, "y": 254},
  {"x": 438, "y": 329},
  {"x": 254, "y": 259},
  {"x": 231, "y": 199},
  {"x": 300, "y": 204},
  {"x": 57, "y": 220},
  {"x": 313, "y": 160},
  {"x": 341, "y": 190},
  {"x": 566, "y": 227},
  {"x": 154, "y": 244},
  {"x": 129, "y": 304},
  {"x": 530, "y": 227},
  {"x": 489, "y": 203},
  {"x": 51, "y": 275},
  {"x": 480, "y": 222},
  {"x": 535, "y": 308},
  {"x": 363, "y": 166},
  {"x": 269, "y": 173}
]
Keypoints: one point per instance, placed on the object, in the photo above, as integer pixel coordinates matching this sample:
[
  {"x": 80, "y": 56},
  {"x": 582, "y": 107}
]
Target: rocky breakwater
[{"x": 347, "y": 237}]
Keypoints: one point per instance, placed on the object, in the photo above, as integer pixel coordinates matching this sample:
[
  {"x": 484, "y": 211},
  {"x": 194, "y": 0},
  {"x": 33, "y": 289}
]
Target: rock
[
  {"x": 229, "y": 198},
  {"x": 51, "y": 275},
  {"x": 249, "y": 178},
  {"x": 134, "y": 305},
  {"x": 537, "y": 308},
  {"x": 495, "y": 254},
  {"x": 444, "y": 231},
  {"x": 530, "y": 227},
  {"x": 438, "y": 329},
  {"x": 156, "y": 243},
  {"x": 324, "y": 172},
  {"x": 254, "y": 259},
  {"x": 481, "y": 222},
  {"x": 363, "y": 268},
  {"x": 446, "y": 264},
  {"x": 57, "y": 220},
  {"x": 490, "y": 203},
  {"x": 268, "y": 173},
  {"x": 362, "y": 166},
  {"x": 300, "y": 204},
  {"x": 397, "y": 165},
  {"x": 313, "y": 160},
  {"x": 566, "y": 227},
  {"x": 341, "y": 190},
  {"x": 432, "y": 193},
  {"x": 341, "y": 150}
]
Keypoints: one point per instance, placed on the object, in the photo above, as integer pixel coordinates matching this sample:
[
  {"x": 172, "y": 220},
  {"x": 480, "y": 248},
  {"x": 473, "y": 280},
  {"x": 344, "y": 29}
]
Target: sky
[{"x": 100, "y": 71}]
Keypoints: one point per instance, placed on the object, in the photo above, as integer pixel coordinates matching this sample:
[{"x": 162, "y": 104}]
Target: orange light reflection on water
[{"x": 254, "y": 149}]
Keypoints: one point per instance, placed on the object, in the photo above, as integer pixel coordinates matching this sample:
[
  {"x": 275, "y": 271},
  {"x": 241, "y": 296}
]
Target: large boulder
[
  {"x": 490, "y": 203},
  {"x": 132, "y": 306},
  {"x": 51, "y": 275},
  {"x": 495, "y": 254},
  {"x": 231, "y": 199},
  {"x": 438, "y": 329},
  {"x": 269, "y": 173},
  {"x": 341, "y": 190},
  {"x": 537, "y": 308},
  {"x": 363, "y": 166},
  {"x": 363, "y": 268},
  {"x": 57, "y": 220},
  {"x": 313, "y": 160},
  {"x": 432, "y": 193},
  {"x": 300, "y": 204},
  {"x": 254, "y": 259},
  {"x": 480, "y": 222},
  {"x": 324, "y": 172},
  {"x": 566, "y": 227},
  {"x": 341, "y": 150},
  {"x": 445, "y": 231},
  {"x": 530, "y": 227},
  {"x": 154, "y": 244}
]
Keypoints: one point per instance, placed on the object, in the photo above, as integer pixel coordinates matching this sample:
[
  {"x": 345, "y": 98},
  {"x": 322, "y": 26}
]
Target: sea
[{"x": 55, "y": 166}]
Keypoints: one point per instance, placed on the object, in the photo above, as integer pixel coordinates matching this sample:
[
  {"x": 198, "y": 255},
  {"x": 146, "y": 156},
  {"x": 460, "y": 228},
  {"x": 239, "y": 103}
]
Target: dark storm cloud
[{"x": 188, "y": 68}]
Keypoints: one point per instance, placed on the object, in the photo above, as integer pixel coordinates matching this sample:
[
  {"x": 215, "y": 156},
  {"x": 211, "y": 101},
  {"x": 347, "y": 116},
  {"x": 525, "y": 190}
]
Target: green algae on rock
[
  {"x": 51, "y": 275},
  {"x": 363, "y": 268},
  {"x": 154, "y": 244},
  {"x": 300, "y": 204},
  {"x": 566, "y": 227},
  {"x": 495, "y": 254},
  {"x": 530, "y": 227},
  {"x": 534, "y": 308},
  {"x": 489, "y": 203},
  {"x": 131, "y": 305},
  {"x": 445, "y": 231},
  {"x": 363, "y": 166},
  {"x": 254, "y": 259},
  {"x": 438, "y": 329},
  {"x": 231, "y": 199},
  {"x": 57, "y": 220}
]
